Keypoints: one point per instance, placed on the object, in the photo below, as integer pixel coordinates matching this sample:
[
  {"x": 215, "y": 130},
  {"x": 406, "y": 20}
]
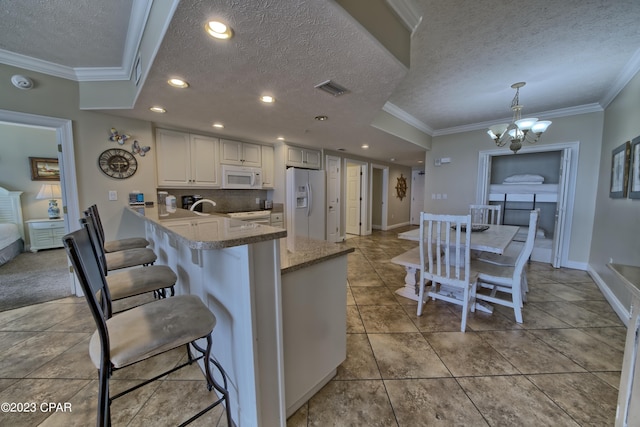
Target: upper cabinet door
[
  {"x": 303, "y": 157},
  {"x": 240, "y": 153},
  {"x": 205, "y": 170},
  {"x": 267, "y": 166},
  {"x": 173, "y": 158}
]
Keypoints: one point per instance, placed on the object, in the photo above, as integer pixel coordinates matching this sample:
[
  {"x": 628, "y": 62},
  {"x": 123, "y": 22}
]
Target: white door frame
[
  {"x": 385, "y": 194},
  {"x": 564, "y": 233},
  {"x": 66, "y": 158}
]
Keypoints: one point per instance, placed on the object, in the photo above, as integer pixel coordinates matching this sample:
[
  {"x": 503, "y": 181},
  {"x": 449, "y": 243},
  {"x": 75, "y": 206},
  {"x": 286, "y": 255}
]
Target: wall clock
[
  {"x": 117, "y": 163},
  {"x": 401, "y": 187}
]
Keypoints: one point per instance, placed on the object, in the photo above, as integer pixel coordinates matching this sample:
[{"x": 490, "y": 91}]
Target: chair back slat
[
  {"x": 445, "y": 247},
  {"x": 525, "y": 253},
  {"x": 486, "y": 214}
]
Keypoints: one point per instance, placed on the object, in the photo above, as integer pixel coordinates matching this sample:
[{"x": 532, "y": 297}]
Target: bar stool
[
  {"x": 124, "y": 258},
  {"x": 142, "y": 332},
  {"x": 115, "y": 245},
  {"x": 135, "y": 281}
]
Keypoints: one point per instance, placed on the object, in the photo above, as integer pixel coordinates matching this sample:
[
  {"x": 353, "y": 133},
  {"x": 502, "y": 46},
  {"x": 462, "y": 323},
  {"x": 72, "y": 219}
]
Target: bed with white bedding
[
  {"x": 517, "y": 195},
  {"x": 11, "y": 225}
]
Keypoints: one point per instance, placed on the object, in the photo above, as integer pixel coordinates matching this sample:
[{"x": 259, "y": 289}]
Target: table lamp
[{"x": 51, "y": 192}]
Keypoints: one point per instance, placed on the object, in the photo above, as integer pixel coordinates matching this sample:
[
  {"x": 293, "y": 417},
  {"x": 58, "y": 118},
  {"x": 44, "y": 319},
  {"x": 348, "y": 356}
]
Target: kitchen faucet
[{"x": 192, "y": 208}]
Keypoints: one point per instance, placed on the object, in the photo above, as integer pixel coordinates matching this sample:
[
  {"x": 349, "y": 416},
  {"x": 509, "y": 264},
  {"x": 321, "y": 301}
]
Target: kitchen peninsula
[{"x": 280, "y": 304}]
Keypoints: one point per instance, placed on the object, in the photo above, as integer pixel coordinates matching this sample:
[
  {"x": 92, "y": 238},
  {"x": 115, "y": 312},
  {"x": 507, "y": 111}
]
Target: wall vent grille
[{"x": 332, "y": 88}]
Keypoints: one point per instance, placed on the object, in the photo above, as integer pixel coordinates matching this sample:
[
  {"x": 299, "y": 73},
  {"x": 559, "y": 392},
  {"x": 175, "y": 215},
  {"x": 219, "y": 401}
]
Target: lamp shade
[{"x": 49, "y": 191}]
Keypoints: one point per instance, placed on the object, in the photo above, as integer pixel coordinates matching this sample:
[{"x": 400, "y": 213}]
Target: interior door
[
  {"x": 417, "y": 195},
  {"x": 353, "y": 199},
  {"x": 561, "y": 208},
  {"x": 333, "y": 199}
]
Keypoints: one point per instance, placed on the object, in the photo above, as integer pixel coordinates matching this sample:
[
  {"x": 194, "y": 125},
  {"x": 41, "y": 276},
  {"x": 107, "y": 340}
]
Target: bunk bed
[
  {"x": 519, "y": 194},
  {"x": 11, "y": 225}
]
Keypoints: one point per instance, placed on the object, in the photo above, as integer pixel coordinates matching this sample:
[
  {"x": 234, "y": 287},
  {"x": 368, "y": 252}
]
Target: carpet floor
[{"x": 32, "y": 278}]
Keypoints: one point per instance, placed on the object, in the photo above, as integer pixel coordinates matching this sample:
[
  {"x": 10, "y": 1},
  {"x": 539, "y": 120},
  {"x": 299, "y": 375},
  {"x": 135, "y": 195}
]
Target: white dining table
[{"x": 494, "y": 240}]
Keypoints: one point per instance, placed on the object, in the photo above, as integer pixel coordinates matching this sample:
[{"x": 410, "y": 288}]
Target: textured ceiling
[{"x": 464, "y": 57}]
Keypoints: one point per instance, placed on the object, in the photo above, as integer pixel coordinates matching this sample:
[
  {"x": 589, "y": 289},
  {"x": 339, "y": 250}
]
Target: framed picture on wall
[
  {"x": 634, "y": 178},
  {"x": 619, "y": 171},
  {"x": 44, "y": 169}
]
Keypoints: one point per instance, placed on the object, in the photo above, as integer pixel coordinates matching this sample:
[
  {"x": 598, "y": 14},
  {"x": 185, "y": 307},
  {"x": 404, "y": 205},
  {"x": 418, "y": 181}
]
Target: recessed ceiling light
[
  {"x": 219, "y": 30},
  {"x": 365, "y": 146},
  {"x": 218, "y": 125},
  {"x": 157, "y": 109},
  {"x": 420, "y": 161},
  {"x": 393, "y": 159},
  {"x": 280, "y": 138},
  {"x": 267, "y": 99},
  {"x": 321, "y": 118},
  {"x": 179, "y": 83}
]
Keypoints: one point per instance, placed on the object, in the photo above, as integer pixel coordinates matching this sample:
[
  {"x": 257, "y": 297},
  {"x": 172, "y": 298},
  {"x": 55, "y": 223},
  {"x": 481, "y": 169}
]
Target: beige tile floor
[{"x": 560, "y": 367}]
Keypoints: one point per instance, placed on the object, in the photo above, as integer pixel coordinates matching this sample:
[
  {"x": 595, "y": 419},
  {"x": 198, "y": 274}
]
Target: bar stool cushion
[
  {"x": 134, "y": 335},
  {"x": 124, "y": 244},
  {"x": 139, "y": 281},
  {"x": 130, "y": 258}
]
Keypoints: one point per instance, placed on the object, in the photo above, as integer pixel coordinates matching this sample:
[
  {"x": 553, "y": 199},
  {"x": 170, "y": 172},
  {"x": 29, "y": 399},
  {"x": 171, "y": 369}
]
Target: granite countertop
[
  {"x": 299, "y": 252},
  {"x": 211, "y": 231}
]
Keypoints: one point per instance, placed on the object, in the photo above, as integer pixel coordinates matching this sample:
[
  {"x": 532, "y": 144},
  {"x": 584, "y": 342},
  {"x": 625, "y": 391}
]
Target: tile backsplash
[{"x": 226, "y": 200}]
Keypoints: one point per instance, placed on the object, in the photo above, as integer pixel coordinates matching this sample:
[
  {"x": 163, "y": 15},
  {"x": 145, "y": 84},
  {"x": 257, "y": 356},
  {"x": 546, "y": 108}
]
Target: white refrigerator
[{"x": 305, "y": 203}]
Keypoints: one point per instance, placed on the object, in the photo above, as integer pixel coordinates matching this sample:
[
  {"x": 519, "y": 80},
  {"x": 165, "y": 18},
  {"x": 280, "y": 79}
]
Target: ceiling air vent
[{"x": 332, "y": 88}]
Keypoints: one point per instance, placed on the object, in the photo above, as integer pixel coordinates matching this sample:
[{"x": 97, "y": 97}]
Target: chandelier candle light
[
  {"x": 51, "y": 192},
  {"x": 520, "y": 130}
]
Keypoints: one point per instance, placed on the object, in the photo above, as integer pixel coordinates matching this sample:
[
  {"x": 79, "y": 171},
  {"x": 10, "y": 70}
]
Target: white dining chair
[
  {"x": 506, "y": 279},
  {"x": 485, "y": 214},
  {"x": 510, "y": 261},
  {"x": 445, "y": 259}
]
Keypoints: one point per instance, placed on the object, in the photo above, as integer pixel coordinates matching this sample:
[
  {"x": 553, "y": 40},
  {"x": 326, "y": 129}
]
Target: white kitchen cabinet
[
  {"x": 267, "y": 167},
  {"x": 303, "y": 157},
  {"x": 240, "y": 153},
  {"x": 186, "y": 160}
]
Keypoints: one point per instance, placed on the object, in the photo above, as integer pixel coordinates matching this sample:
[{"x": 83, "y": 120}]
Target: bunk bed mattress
[
  {"x": 524, "y": 188},
  {"x": 523, "y": 192},
  {"x": 10, "y": 242}
]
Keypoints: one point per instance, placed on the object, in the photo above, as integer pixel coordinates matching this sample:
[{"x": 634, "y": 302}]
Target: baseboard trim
[
  {"x": 576, "y": 265},
  {"x": 402, "y": 224},
  {"x": 615, "y": 303}
]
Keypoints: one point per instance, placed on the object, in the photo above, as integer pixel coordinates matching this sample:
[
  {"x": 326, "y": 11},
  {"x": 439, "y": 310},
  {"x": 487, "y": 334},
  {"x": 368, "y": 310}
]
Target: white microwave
[{"x": 239, "y": 177}]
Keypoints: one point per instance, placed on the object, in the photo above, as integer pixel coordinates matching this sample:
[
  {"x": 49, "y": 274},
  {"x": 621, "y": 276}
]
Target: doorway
[
  {"x": 66, "y": 161},
  {"x": 564, "y": 195},
  {"x": 417, "y": 195},
  {"x": 333, "y": 199},
  {"x": 355, "y": 196},
  {"x": 379, "y": 194}
]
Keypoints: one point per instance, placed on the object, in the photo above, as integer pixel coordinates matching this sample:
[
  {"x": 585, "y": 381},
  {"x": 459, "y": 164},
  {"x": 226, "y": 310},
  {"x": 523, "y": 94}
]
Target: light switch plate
[{"x": 113, "y": 195}]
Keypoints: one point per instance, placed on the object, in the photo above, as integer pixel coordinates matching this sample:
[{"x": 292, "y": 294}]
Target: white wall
[
  {"x": 458, "y": 179},
  {"x": 616, "y": 228}
]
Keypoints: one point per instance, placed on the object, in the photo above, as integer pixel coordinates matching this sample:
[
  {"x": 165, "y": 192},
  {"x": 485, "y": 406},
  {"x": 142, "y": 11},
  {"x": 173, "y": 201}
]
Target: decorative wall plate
[{"x": 401, "y": 187}]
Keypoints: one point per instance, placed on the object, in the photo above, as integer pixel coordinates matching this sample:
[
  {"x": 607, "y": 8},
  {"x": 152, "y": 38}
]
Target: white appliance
[
  {"x": 258, "y": 217},
  {"x": 239, "y": 177},
  {"x": 305, "y": 203}
]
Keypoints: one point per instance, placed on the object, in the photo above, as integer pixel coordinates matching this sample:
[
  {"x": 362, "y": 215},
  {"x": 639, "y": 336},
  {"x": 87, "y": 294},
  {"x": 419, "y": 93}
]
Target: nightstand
[{"x": 45, "y": 233}]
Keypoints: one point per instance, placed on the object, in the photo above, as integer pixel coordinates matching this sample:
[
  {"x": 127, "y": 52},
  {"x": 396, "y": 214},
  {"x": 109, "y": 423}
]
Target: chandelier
[{"x": 520, "y": 130}]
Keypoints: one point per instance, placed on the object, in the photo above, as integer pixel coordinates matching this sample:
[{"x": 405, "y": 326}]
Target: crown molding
[
  {"x": 406, "y": 11},
  {"x": 628, "y": 72},
  {"x": 399, "y": 113},
  {"x": 137, "y": 23},
  {"x": 545, "y": 115}
]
